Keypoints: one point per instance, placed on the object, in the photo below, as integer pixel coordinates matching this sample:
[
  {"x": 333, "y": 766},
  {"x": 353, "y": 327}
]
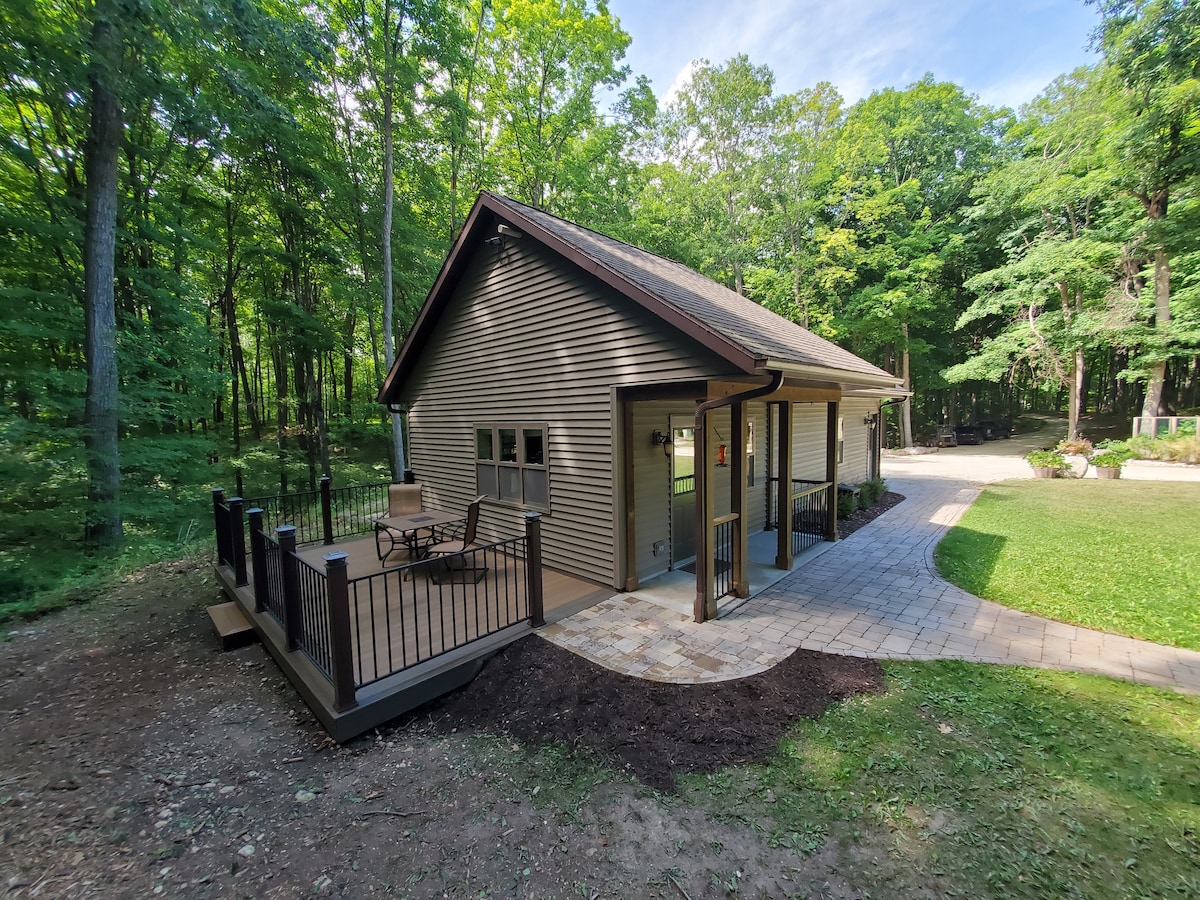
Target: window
[{"x": 510, "y": 464}]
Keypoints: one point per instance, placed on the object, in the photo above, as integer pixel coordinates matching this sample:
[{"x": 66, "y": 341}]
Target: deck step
[{"x": 233, "y": 628}]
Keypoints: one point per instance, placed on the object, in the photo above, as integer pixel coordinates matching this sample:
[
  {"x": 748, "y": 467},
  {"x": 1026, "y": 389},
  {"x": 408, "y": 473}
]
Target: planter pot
[
  {"x": 1108, "y": 472},
  {"x": 1045, "y": 471}
]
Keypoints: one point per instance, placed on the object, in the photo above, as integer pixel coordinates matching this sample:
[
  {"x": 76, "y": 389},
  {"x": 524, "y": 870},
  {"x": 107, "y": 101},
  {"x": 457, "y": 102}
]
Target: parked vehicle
[
  {"x": 968, "y": 434},
  {"x": 991, "y": 430}
]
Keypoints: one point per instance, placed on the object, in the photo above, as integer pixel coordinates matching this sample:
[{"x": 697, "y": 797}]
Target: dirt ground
[{"x": 138, "y": 759}]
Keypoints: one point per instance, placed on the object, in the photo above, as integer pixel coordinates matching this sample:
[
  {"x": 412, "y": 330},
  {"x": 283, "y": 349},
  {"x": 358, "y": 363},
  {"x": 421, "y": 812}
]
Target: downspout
[
  {"x": 407, "y": 475},
  {"x": 701, "y": 451}
]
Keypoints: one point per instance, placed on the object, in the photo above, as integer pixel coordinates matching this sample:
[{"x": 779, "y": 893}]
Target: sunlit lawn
[
  {"x": 1120, "y": 556},
  {"x": 967, "y": 780}
]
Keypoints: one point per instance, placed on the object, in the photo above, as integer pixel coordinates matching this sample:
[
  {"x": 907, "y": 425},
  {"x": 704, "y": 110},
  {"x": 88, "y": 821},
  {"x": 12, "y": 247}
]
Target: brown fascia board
[{"x": 468, "y": 242}]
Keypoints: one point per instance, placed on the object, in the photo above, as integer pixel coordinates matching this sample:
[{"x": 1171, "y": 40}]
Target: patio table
[{"x": 406, "y": 530}]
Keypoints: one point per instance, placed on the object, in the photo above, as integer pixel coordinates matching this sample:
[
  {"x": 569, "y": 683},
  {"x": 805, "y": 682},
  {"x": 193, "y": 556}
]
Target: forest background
[{"x": 218, "y": 219}]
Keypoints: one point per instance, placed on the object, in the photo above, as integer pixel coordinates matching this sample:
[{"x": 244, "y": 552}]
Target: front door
[{"x": 683, "y": 491}]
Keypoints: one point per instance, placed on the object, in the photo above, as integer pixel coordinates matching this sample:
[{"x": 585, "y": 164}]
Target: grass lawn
[
  {"x": 1119, "y": 556},
  {"x": 968, "y": 780}
]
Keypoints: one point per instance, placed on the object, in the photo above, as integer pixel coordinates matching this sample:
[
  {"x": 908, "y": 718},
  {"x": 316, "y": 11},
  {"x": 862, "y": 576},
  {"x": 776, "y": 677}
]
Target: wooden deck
[{"x": 416, "y": 632}]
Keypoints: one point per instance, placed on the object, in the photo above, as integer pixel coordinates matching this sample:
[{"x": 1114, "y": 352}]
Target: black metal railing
[
  {"x": 723, "y": 538},
  {"x": 270, "y": 598},
  {"x": 231, "y": 534},
  {"x": 326, "y": 514},
  {"x": 415, "y": 612},
  {"x": 356, "y": 632},
  {"x": 809, "y": 514},
  {"x": 313, "y": 635}
]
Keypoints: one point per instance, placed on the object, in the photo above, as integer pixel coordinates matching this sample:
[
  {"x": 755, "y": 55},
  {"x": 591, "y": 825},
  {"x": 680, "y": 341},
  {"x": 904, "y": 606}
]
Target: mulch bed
[{"x": 537, "y": 693}]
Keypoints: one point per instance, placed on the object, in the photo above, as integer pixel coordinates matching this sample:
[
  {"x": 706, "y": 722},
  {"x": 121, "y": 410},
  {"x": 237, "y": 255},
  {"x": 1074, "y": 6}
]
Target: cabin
[
  {"x": 658, "y": 421},
  {"x": 592, "y": 419}
]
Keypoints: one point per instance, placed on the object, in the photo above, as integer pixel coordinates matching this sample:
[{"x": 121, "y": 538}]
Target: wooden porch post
[
  {"x": 737, "y": 498},
  {"x": 341, "y": 651},
  {"x": 326, "y": 509},
  {"x": 258, "y": 559},
  {"x": 533, "y": 568},
  {"x": 831, "y": 469},
  {"x": 705, "y": 607},
  {"x": 286, "y": 534},
  {"x": 628, "y": 496},
  {"x": 237, "y": 541},
  {"x": 783, "y": 453}
]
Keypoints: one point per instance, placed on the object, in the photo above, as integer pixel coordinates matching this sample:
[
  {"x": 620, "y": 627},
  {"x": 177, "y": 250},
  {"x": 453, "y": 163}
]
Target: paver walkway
[{"x": 875, "y": 594}]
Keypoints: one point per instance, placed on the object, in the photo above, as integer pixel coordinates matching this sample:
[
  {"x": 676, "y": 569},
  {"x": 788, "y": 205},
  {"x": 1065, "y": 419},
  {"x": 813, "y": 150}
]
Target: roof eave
[{"x": 849, "y": 379}]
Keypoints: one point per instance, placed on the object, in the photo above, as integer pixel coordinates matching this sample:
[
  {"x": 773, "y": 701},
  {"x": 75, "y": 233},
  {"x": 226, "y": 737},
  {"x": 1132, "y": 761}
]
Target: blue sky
[{"x": 1003, "y": 52}]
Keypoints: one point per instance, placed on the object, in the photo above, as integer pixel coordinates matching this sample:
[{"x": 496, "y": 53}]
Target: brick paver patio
[{"x": 875, "y": 594}]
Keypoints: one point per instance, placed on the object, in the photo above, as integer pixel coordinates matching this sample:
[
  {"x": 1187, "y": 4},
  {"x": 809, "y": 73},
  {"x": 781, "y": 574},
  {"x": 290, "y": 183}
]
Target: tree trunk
[
  {"x": 1152, "y": 405},
  {"x": 389, "y": 325},
  {"x": 104, "y": 526},
  {"x": 1075, "y": 400},
  {"x": 906, "y": 434}
]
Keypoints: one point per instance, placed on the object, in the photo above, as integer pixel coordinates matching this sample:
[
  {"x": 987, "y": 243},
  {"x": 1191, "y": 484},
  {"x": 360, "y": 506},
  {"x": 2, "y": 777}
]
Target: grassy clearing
[
  {"x": 967, "y": 780},
  {"x": 1120, "y": 556}
]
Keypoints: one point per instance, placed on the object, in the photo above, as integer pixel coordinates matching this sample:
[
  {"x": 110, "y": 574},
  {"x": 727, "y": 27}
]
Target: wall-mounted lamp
[{"x": 661, "y": 440}]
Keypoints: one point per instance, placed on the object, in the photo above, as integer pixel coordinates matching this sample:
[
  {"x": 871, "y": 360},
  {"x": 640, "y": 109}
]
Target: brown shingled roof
[
  {"x": 764, "y": 334},
  {"x": 747, "y": 335}
]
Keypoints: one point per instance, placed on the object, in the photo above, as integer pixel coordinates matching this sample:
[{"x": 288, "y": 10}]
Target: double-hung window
[{"x": 511, "y": 464}]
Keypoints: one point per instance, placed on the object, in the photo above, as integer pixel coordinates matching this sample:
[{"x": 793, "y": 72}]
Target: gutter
[{"x": 701, "y": 451}]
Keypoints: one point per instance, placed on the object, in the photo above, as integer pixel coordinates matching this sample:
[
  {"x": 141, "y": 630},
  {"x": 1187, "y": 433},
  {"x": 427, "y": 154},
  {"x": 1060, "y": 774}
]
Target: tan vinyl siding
[
  {"x": 854, "y": 462},
  {"x": 528, "y": 338},
  {"x": 809, "y": 422},
  {"x": 756, "y": 496}
]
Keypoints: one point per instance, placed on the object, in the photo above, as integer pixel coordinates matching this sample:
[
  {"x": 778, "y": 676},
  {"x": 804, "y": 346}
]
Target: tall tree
[
  {"x": 104, "y": 524},
  {"x": 1154, "y": 46}
]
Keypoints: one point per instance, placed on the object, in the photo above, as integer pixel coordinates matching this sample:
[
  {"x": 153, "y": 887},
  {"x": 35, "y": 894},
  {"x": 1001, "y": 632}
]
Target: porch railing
[
  {"x": 415, "y": 612},
  {"x": 356, "y": 632},
  {"x": 724, "y": 534},
  {"x": 799, "y": 485},
  {"x": 326, "y": 514},
  {"x": 810, "y": 506}
]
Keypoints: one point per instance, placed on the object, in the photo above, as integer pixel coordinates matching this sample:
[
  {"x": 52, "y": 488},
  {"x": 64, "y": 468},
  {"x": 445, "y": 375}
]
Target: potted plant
[
  {"x": 1111, "y": 456},
  {"x": 1046, "y": 463}
]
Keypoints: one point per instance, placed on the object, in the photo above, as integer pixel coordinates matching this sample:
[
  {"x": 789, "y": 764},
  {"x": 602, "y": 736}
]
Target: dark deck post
[
  {"x": 291, "y": 584},
  {"x": 737, "y": 501},
  {"x": 237, "y": 541},
  {"x": 326, "y": 509},
  {"x": 783, "y": 440},
  {"x": 340, "y": 649},
  {"x": 258, "y": 559},
  {"x": 220, "y": 525},
  {"x": 831, "y": 470},
  {"x": 533, "y": 568}
]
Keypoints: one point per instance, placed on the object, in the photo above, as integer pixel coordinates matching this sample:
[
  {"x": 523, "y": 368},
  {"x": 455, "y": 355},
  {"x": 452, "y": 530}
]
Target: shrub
[
  {"x": 1183, "y": 448},
  {"x": 871, "y": 491},
  {"x": 847, "y": 504}
]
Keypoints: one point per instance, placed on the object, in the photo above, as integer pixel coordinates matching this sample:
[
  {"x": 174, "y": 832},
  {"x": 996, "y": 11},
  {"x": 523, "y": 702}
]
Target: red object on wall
[{"x": 721, "y": 454}]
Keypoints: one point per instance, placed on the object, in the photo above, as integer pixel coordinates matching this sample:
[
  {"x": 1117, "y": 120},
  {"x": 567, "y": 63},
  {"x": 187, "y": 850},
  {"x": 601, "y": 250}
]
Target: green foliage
[
  {"x": 1183, "y": 448},
  {"x": 870, "y": 491},
  {"x": 847, "y": 504},
  {"x": 1046, "y": 459},
  {"x": 1117, "y": 556},
  {"x": 979, "y": 781}
]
